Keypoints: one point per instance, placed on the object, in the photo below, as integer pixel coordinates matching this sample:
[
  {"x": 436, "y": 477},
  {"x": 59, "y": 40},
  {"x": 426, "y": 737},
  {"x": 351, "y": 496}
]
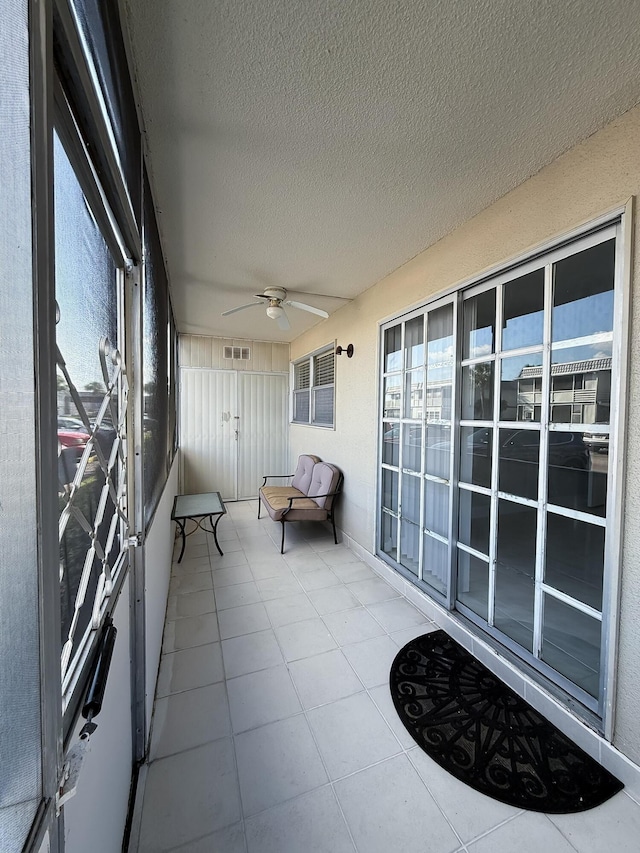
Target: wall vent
[{"x": 237, "y": 353}]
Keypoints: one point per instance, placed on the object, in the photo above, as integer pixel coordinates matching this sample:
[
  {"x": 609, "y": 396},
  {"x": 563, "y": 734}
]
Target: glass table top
[{"x": 188, "y": 506}]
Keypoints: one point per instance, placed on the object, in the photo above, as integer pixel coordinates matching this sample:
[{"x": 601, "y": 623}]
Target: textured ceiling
[{"x": 319, "y": 144}]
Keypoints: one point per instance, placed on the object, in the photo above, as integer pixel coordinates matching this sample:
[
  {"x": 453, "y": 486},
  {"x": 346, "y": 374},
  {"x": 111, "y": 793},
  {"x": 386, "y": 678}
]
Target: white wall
[
  {"x": 586, "y": 182},
  {"x": 157, "y": 556},
  {"x": 94, "y": 819}
]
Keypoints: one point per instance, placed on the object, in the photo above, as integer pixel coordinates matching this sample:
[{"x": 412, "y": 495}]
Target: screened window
[
  {"x": 91, "y": 400},
  {"x": 313, "y": 389}
]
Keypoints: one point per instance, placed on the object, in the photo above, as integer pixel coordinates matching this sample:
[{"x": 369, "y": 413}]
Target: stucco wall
[{"x": 586, "y": 182}]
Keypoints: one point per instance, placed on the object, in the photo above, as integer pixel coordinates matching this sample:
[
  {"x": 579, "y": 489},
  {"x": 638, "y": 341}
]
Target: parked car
[
  {"x": 68, "y": 423},
  {"x": 597, "y": 442},
  {"x": 73, "y": 438}
]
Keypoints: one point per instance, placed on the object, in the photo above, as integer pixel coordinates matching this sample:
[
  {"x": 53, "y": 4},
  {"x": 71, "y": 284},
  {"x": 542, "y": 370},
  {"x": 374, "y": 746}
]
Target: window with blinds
[{"x": 313, "y": 389}]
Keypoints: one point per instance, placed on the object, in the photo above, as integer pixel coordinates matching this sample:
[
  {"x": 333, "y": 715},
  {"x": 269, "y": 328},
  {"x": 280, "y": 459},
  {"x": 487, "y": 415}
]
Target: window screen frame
[
  {"x": 79, "y": 158},
  {"x": 313, "y": 362}
]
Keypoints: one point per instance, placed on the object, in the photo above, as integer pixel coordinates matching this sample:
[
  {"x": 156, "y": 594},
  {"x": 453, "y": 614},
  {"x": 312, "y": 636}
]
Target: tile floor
[{"x": 274, "y": 731}]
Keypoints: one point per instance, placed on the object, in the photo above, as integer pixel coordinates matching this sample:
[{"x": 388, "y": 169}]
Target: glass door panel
[
  {"x": 473, "y": 583},
  {"x": 519, "y": 462},
  {"x": 414, "y": 393},
  {"x": 521, "y": 388},
  {"x": 392, "y": 349},
  {"x": 477, "y": 392},
  {"x": 515, "y": 571},
  {"x": 575, "y": 559},
  {"x": 522, "y": 314},
  {"x": 412, "y": 447},
  {"x": 571, "y": 644},
  {"x": 438, "y": 450},
  {"x": 414, "y": 342},
  {"x": 577, "y": 476},
  {"x": 436, "y": 508},
  {"x": 583, "y": 293},
  {"x": 410, "y": 546},
  {"x": 474, "y": 516},
  {"x": 476, "y": 448},
  {"x": 479, "y": 322},
  {"x": 391, "y": 444},
  {"x": 435, "y": 564}
]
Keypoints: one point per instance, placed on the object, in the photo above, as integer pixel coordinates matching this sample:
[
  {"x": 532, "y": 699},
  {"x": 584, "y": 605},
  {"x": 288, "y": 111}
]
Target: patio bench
[{"x": 315, "y": 486}]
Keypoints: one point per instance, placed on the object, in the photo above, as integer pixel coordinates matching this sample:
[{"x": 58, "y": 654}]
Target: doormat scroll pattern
[{"x": 486, "y": 735}]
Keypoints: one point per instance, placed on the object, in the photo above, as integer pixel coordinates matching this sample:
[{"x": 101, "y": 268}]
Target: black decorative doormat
[{"x": 483, "y": 733}]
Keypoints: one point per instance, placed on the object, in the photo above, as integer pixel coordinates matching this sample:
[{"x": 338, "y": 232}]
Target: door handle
[{"x": 236, "y": 432}]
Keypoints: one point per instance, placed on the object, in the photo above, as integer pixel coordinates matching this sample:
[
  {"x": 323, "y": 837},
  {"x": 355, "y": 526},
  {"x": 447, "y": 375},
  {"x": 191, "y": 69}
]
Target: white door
[
  {"x": 262, "y": 429},
  {"x": 207, "y": 431},
  {"x": 233, "y": 430}
]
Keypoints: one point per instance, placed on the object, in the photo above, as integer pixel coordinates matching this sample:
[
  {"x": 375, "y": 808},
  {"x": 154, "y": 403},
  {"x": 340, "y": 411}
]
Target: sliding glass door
[
  {"x": 495, "y": 473},
  {"x": 416, "y": 459}
]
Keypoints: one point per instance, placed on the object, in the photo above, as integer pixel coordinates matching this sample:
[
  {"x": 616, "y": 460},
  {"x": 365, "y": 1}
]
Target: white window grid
[{"x": 313, "y": 395}]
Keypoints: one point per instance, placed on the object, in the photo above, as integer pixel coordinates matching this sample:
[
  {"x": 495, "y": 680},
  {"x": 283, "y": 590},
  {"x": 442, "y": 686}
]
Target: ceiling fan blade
[
  {"x": 309, "y": 308},
  {"x": 283, "y": 321},
  {"x": 240, "y": 308}
]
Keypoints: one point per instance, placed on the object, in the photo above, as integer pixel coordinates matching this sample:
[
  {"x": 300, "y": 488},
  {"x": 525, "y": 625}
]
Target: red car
[{"x": 73, "y": 438}]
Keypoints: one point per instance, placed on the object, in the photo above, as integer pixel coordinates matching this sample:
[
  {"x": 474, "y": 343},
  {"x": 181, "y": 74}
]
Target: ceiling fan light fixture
[{"x": 275, "y": 312}]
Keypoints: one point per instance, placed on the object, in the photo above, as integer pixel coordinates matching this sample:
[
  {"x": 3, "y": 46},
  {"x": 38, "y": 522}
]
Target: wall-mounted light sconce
[{"x": 348, "y": 350}]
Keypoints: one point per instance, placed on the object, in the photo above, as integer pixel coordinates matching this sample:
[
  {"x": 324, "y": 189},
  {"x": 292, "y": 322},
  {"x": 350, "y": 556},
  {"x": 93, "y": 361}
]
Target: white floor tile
[
  {"x": 304, "y": 560},
  {"x": 303, "y": 639},
  {"x": 190, "y": 631},
  {"x": 372, "y": 659},
  {"x": 232, "y": 575},
  {"x": 275, "y": 568},
  {"x": 339, "y": 555},
  {"x": 189, "y": 668},
  {"x": 469, "y": 812},
  {"x": 396, "y": 614},
  {"x": 237, "y": 595},
  {"x": 324, "y": 678},
  {"x": 317, "y": 579},
  {"x": 293, "y": 608},
  {"x": 351, "y": 734},
  {"x": 189, "y": 795},
  {"x": 353, "y": 626},
  {"x": 191, "y": 565},
  {"x": 261, "y": 697},
  {"x": 246, "y": 619},
  {"x": 191, "y": 604},
  {"x": 228, "y": 560},
  {"x": 373, "y": 590},
  {"x": 277, "y": 762},
  {"x": 189, "y": 719},
  {"x": 351, "y": 572},
  {"x": 250, "y": 653},
  {"x": 530, "y": 832},
  {"x": 333, "y": 599},
  {"x": 405, "y": 635},
  {"x": 388, "y": 809},
  {"x": 227, "y": 840},
  {"x": 278, "y": 587},
  {"x": 617, "y": 820},
  {"x": 195, "y": 549},
  {"x": 190, "y": 583},
  {"x": 382, "y": 698},
  {"x": 312, "y": 823}
]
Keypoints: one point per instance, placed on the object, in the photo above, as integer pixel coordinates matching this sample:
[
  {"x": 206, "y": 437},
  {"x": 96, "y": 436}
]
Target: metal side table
[{"x": 197, "y": 508}]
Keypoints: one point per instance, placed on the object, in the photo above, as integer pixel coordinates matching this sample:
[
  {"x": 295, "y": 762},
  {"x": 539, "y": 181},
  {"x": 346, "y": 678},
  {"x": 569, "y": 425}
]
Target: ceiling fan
[{"x": 276, "y": 299}]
